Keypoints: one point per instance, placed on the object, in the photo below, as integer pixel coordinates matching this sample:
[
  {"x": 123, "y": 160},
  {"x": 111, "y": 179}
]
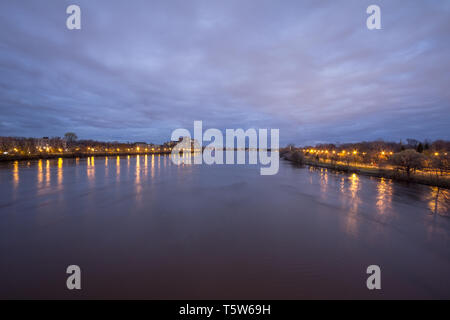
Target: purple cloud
[{"x": 138, "y": 70}]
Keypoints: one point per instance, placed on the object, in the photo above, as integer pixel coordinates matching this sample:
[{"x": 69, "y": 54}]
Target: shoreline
[
  {"x": 75, "y": 155},
  {"x": 432, "y": 180}
]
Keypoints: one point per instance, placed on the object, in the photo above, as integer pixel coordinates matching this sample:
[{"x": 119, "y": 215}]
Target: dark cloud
[{"x": 137, "y": 70}]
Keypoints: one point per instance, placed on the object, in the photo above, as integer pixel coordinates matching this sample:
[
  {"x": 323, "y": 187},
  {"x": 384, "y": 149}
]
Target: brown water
[{"x": 142, "y": 227}]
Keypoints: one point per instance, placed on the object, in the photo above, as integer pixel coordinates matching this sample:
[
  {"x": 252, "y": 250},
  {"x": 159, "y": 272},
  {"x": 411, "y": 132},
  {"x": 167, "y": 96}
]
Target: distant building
[
  {"x": 142, "y": 145},
  {"x": 43, "y": 143},
  {"x": 195, "y": 145}
]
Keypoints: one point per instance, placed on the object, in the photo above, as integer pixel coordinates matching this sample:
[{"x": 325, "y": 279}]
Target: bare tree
[
  {"x": 441, "y": 162},
  {"x": 408, "y": 160},
  {"x": 298, "y": 157},
  {"x": 70, "y": 137}
]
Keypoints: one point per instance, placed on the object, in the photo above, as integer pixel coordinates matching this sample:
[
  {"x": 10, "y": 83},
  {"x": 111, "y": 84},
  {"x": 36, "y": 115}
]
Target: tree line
[
  {"x": 408, "y": 156},
  {"x": 70, "y": 143}
]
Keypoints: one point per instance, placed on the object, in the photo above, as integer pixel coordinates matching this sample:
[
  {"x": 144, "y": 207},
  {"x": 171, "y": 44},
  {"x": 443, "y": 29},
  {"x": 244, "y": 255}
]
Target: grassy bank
[{"x": 442, "y": 181}]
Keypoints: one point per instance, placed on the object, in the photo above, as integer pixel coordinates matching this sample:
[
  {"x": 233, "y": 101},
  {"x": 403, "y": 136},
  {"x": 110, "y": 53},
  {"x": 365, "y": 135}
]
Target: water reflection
[
  {"x": 60, "y": 172},
  {"x": 90, "y": 168},
  {"x": 384, "y": 195},
  {"x": 353, "y": 188},
  {"x": 342, "y": 185},
  {"x": 47, "y": 173},
  {"x": 438, "y": 200},
  {"x": 179, "y": 159},
  {"x": 152, "y": 171},
  {"x": 138, "y": 178},
  {"x": 138, "y": 169},
  {"x": 40, "y": 174},
  {"x": 16, "y": 174},
  {"x": 145, "y": 165},
  {"x": 323, "y": 181},
  {"x": 344, "y": 189},
  {"x": 350, "y": 191},
  {"x": 348, "y": 215},
  {"x": 118, "y": 168},
  {"x": 106, "y": 167}
]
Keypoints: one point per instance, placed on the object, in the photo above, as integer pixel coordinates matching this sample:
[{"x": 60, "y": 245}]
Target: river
[{"x": 142, "y": 227}]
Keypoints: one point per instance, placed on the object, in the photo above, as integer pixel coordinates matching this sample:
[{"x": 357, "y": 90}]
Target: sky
[{"x": 137, "y": 70}]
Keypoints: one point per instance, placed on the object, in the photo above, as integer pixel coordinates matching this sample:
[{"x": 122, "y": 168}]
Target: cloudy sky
[{"x": 137, "y": 70}]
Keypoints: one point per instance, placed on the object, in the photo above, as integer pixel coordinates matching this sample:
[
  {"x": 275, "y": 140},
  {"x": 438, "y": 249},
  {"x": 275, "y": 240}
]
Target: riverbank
[
  {"x": 441, "y": 181},
  {"x": 6, "y": 158}
]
